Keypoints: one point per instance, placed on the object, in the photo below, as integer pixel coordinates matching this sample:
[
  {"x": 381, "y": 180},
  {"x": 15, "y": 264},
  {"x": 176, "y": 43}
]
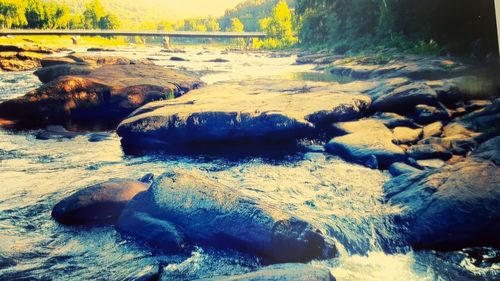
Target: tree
[
  {"x": 93, "y": 13},
  {"x": 279, "y": 27},
  {"x": 109, "y": 21},
  {"x": 212, "y": 24},
  {"x": 12, "y": 13},
  {"x": 236, "y": 25},
  {"x": 35, "y": 14}
]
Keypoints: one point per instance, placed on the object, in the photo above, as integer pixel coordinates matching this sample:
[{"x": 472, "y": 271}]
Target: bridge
[{"x": 182, "y": 34}]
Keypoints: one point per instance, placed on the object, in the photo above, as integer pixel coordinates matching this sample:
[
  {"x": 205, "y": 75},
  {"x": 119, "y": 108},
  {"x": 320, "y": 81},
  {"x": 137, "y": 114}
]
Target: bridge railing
[{"x": 184, "y": 34}]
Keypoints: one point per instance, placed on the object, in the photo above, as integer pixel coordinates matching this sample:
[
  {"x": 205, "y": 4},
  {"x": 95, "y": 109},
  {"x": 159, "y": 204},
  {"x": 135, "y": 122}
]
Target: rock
[
  {"x": 50, "y": 73},
  {"x": 489, "y": 150},
  {"x": 98, "y": 204},
  {"x": 156, "y": 232},
  {"x": 282, "y": 272},
  {"x": 425, "y": 114},
  {"x": 261, "y": 111},
  {"x": 309, "y": 59},
  {"x": 433, "y": 130},
  {"x": 97, "y": 137},
  {"x": 450, "y": 208},
  {"x": 428, "y": 151},
  {"x": 456, "y": 144},
  {"x": 100, "y": 50},
  {"x": 96, "y": 98},
  {"x": 55, "y": 132},
  {"x": 406, "y": 135},
  {"x": 397, "y": 169},
  {"x": 218, "y": 60},
  {"x": 93, "y": 60},
  {"x": 17, "y": 58},
  {"x": 431, "y": 163},
  {"x": 209, "y": 213},
  {"x": 177, "y": 59},
  {"x": 403, "y": 99},
  {"x": 473, "y": 105},
  {"x": 392, "y": 120},
  {"x": 368, "y": 142}
]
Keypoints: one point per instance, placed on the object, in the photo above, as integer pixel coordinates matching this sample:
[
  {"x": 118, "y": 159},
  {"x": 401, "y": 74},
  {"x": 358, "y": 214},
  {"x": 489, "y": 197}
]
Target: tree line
[
  {"x": 456, "y": 26},
  {"x": 51, "y": 15}
]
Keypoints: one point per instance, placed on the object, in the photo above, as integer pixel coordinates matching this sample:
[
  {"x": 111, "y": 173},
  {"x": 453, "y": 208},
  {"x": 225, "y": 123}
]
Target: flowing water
[{"x": 340, "y": 198}]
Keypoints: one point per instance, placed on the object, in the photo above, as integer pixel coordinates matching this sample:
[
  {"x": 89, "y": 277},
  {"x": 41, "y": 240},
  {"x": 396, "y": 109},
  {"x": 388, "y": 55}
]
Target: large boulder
[
  {"x": 368, "y": 142},
  {"x": 98, "y": 204},
  {"x": 96, "y": 96},
  {"x": 450, "y": 208},
  {"x": 282, "y": 272},
  {"x": 209, "y": 213},
  {"x": 248, "y": 111}
]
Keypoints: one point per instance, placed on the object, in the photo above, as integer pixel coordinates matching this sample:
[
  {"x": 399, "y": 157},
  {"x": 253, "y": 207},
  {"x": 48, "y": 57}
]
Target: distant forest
[{"x": 422, "y": 27}]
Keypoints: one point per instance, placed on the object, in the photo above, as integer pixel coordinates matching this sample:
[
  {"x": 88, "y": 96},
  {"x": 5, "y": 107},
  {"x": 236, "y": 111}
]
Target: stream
[{"x": 340, "y": 198}]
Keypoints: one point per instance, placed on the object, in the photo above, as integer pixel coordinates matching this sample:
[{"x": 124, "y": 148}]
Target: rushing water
[{"x": 342, "y": 199}]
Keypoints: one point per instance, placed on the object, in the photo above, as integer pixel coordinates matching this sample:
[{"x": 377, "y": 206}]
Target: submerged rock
[
  {"x": 397, "y": 169},
  {"x": 207, "y": 212},
  {"x": 250, "y": 111},
  {"x": 95, "y": 96},
  {"x": 450, "y": 208},
  {"x": 367, "y": 142},
  {"x": 98, "y": 204},
  {"x": 283, "y": 272}
]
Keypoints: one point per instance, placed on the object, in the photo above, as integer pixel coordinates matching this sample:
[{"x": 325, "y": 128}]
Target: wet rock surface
[
  {"x": 252, "y": 111},
  {"x": 98, "y": 96},
  {"x": 285, "y": 272},
  {"x": 210, "y": 213},
  {"x": 98, "y": 204},
  {"x": 452, "y": 207}
]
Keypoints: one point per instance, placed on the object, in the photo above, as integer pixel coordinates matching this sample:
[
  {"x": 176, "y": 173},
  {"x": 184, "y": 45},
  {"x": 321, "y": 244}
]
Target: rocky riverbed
[{"x": 229, "y": 163}]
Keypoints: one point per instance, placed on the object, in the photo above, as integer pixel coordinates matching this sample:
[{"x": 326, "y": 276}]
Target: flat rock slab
[
  {"x": 97, "y": 96},
  {"x": 203, "y": 211},
  {"x": 284, "y": 272},
  {"x": 367, "y": 142},
  {"x": 260, "y": 110},
  {"x": 452, "y": 207}
]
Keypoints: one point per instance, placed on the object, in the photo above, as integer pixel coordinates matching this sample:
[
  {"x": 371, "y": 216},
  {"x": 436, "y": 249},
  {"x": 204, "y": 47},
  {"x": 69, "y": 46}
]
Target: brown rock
[
  {"x": 433, "y": 130},
  {"x": 406, "y": 135}
]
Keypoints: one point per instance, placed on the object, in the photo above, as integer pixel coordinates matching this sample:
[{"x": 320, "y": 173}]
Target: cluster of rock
[
  {"x": 94, "y": 92},
  {"x": 184, "y": 208},
  {"x": 16, "y": 58}
]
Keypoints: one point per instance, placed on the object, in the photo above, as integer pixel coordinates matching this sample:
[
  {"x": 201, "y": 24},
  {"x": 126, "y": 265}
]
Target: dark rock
[
  {"x": 264, "y": 111},
  {"x": 428, "y": 151},
  {"x": 450, "y": 208},
  {"x": 55, "y": 132},
  {"x": 397, "y": 169},
  {"x": 431, "y": 163},
  {"x": 218, "y": 60},
  {"x": 210, "y": 213},
  {"x": 147, "y": 178},
  {"x": 368, "y": 142},
  {"x": 283, "y": 272},
  {"x": 100, "y": 50},
  {"x": 425, "y": 114},
  {"x": 98, "y": 204},
  {"x": 489, "y": 150},
  {"x": 392, "y": 120},
  {"x": 405, "y": 98},
  {"x": 156, "y": 232},
  {"x": 96, "y": 97},
  {"x": 97, "y": 137},
  {"x": 177, "y": 59}
]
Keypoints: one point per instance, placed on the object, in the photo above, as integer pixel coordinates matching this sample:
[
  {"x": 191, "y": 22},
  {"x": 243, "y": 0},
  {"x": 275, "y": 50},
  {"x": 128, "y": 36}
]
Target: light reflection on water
[{"x": 340, "y": 198}]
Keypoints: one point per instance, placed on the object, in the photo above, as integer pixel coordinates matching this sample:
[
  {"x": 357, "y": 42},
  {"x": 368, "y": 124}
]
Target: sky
[{"x": 188, "y": 8}]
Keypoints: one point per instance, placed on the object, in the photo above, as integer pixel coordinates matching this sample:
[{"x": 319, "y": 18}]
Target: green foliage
[
  {"x": 422, "y": 27},
  {"x": 12, "y": 13},
  {"x": 95, "y": 17},
  {"x": 278, "y": 28},
  {"x": 109, "y": 21}
]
